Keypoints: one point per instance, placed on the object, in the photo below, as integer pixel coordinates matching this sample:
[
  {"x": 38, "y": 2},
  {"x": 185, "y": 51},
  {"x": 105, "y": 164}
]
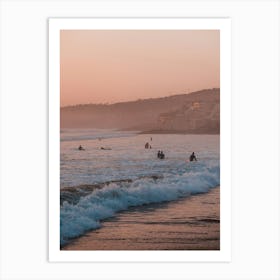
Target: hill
[{"x": 197, "y": 112}]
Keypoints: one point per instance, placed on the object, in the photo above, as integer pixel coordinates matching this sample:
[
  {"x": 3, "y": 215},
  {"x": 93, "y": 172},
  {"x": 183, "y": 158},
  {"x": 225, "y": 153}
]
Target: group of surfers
[{"x": 160, "y": 154}]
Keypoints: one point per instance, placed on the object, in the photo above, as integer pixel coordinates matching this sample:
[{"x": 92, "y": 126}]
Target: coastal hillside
[{"x": 196, "y": 112}]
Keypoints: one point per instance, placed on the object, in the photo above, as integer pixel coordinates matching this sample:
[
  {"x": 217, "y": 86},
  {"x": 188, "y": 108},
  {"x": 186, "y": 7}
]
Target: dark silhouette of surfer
[
  {"x": 160, "y": 155},
  {"x": 193, "y": 157},
  {"x": 107, "y": 149}
]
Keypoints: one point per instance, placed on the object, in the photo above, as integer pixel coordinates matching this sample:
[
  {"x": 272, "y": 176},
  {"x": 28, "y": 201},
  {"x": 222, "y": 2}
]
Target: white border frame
[{"x": 55, "y": 25}]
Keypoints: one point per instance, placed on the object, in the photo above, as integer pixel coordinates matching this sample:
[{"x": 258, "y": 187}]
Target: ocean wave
[{"x": 88, "y": 211}]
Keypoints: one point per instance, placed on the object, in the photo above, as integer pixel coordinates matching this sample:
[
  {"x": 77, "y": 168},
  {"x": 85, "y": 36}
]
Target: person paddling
[
  {"x": 81, "y": 148},
  {"x": 193, "y": 157}
]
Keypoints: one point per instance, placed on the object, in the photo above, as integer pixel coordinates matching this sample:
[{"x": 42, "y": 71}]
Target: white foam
[
  {"x": 106, "y": 202},
  {"x": 128, "y": 159}
]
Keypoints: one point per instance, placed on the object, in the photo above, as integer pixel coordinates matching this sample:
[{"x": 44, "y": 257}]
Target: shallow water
[{"x": 191, "y": 223}]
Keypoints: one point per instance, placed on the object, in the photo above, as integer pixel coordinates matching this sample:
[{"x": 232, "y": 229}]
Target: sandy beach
[{"x": 192, "y": 223}]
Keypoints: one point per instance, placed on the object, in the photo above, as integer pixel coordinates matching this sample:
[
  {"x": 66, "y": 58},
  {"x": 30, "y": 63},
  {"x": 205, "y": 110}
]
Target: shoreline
[
  {"x": 176, "y": 132},
  {"x": 153, "y": 131},
  {"x": 190, "y": 223}
]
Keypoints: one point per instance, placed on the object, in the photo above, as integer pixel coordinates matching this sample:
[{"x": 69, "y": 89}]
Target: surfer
[
  {"x": 193, "y": 157},
  {"x": 158, "y": 154},
  {"x": 81, "y": 148},
  {"x": 161, "y": 155}
]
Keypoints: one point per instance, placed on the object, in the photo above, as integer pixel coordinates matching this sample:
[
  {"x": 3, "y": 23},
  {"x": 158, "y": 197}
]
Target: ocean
[{"x": 116, "y": 173}]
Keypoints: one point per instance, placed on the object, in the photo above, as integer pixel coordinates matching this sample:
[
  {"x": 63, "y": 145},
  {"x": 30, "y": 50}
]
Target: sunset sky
[{"x": 100, "y": 66}]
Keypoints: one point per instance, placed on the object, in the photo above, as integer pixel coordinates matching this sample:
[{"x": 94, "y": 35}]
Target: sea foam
[{"x": 90, "y": 210}]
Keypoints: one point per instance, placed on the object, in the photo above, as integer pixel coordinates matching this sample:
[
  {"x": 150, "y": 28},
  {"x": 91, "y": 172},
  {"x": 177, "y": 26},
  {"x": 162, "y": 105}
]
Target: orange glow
[{"x": 100, "y": 66}]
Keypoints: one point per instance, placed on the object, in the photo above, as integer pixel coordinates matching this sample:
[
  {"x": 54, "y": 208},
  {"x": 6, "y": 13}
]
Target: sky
[{"x": 109, "y": 66}]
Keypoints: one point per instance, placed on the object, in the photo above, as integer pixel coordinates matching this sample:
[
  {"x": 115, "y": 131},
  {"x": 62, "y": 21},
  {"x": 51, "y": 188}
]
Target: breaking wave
[{"x": 86, "y": 211}]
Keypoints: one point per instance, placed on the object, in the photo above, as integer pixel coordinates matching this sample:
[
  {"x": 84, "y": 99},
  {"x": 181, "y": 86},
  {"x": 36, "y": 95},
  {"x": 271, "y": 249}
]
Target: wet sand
[{"x": 192, "y": 223}]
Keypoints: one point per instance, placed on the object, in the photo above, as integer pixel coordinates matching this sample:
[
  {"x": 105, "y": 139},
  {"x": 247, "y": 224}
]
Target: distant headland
[{"x": 193, "y": 113}]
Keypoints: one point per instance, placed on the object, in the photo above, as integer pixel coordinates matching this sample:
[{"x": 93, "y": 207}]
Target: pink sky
[{"x": 100, "y": 66}]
